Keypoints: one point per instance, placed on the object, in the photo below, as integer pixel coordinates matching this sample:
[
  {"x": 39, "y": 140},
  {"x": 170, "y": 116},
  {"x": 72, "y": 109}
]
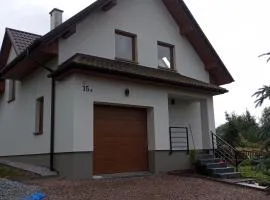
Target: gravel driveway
[{"x": 159, "y": 187}]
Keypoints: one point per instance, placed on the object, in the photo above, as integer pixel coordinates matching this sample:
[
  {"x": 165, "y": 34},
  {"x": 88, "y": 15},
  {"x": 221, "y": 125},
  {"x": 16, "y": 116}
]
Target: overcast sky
[{"x": 239, "y": 30}]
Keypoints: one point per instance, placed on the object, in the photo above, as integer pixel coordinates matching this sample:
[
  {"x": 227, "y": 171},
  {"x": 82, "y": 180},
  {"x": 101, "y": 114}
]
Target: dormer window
[
  {"x": 165, "y": 55},
  {"x": 125, "y": 46}
]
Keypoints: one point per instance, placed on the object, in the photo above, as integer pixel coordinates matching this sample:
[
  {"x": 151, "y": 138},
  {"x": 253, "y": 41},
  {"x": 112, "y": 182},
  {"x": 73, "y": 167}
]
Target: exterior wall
[
  {"x": 208, "y": 121},
  {"x": 187, "y": 113},
  {"x": 64, "y": 115},
  {"x": 160, "y": 114},
  {"x": 112, "y": 92},
  {"x": 74, "y": 121},
  {"x": 76, "y": 165},
  {"x": 12, "y": 55},
  {"x": 161, "y": 161},
  {"x": 95, "y": 36},
  {"x": 17, "y": 118}
]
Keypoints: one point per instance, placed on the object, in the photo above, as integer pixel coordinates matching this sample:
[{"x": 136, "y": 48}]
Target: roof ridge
[{"x": 12, "y": 29}]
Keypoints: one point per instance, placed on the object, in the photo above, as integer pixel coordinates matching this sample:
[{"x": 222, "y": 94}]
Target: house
[{"x": 123, "y": 86}]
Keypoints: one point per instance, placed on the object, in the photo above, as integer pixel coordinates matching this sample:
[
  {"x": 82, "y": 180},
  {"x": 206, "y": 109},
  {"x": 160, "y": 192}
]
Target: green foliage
[
  {"x": 265, "y": 124},
  {"x": 6, "y": 172},
  {"x": 258, "y": 169},
  {"x": 192, "y": 156},
  {"x": 240, "y": 130},
  {"x": 266, "y": 145},
  {"x": 250, "y": 172},
  {"x": 264, "y": 92},
  {"x": 261, "y": 95}
]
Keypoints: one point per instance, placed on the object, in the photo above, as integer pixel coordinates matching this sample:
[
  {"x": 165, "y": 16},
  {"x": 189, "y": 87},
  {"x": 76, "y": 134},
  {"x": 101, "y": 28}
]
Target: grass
[
  {"x": 11, "y": 173},
  {"x": 249, "y": 172}
]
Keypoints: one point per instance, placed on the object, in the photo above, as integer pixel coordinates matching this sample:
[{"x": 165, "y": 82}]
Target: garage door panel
[{"x": 120, "y": 140}]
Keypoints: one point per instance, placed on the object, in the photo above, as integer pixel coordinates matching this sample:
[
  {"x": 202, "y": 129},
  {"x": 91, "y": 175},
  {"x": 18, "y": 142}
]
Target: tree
[
  {"x": 240, "y": 130},
  {"x": 229, "y": 131},
  {"x": 265, "y": 124},
  {"x": 264, "y": 92},
  {"x": 266, "y": 145},
  {"x": 261, "y": 95}
]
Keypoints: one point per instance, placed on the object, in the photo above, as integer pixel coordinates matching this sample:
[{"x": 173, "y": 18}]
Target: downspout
[
  {"x": 52, "y": 134},
  {"x": 52, "y": 124}
]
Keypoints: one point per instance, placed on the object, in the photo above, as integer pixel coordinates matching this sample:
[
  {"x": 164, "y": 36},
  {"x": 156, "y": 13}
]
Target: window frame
[
  {"x": 11, "y": 90},
  {"x": 134, "y": 46},
  {"x": 172, "y": 54},
  {"x": 39, "y": 116}
]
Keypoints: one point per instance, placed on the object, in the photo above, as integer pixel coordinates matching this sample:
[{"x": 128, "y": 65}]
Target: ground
[
  {"x": 14, "y": 173},
  {"x": 158, "y": 187}
]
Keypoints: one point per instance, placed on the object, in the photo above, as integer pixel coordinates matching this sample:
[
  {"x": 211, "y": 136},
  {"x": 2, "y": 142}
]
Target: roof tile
[
  {"x": 93, "y": 63},
  {"x": 21, "y": 40}
]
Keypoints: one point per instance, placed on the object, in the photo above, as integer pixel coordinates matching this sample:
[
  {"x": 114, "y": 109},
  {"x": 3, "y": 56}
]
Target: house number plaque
[{"x": 86, "y": 87}]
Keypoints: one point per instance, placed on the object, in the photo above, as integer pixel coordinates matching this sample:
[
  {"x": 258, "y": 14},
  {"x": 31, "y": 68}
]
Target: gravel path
[
  {"x": 160, "y": 187},
  {"x": 15, "y": 190}
]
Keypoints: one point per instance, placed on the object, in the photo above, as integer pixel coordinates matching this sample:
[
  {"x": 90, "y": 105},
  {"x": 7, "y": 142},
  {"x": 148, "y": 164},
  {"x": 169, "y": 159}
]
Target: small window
[
  {"x": 39, "y": 116},
  {"x": 2, "y": 86},
  {"x": 165, "y": 55},
  {"x": 125, "y": 46},
  {"x": 11, "y": 90}
]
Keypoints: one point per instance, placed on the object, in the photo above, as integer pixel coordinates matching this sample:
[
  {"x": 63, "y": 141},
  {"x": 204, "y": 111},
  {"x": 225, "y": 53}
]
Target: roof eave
[
  {"x": 73, "y": 65},
  {"x": 175, "y": 7}
]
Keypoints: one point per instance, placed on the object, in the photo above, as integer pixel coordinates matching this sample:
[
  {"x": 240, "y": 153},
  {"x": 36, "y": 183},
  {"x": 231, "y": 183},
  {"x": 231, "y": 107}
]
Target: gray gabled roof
[{"x": 21, "y": 40}]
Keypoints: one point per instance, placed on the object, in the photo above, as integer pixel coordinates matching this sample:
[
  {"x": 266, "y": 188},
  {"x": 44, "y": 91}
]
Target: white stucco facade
[
  {"x": 74, "y": 113},
  {"x": 106, "y": 91},
  {"x": 149, "y": 20},
  {"x": 17, "y": 118}
]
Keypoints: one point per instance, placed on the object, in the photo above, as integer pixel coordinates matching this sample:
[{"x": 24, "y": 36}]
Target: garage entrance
[{"x": 120, "y": 140}]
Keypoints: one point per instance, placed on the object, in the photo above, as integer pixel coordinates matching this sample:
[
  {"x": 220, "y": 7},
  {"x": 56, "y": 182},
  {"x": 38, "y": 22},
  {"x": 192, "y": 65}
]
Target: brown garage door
[{"x": 120, "y": 140}]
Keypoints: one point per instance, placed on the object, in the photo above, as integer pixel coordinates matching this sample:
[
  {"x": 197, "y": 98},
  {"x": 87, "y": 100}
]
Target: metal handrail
[
  {"x": 221, "y": 151},
  {"x": 224, "y": 141}
]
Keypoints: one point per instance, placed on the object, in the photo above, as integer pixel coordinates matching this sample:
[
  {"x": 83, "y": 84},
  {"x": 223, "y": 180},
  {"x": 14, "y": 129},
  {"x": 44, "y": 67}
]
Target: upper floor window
[
  {"x": 125, "y": 46},
  {"x": 11, "y": 90},
  {"x": 165, "y": 55}
]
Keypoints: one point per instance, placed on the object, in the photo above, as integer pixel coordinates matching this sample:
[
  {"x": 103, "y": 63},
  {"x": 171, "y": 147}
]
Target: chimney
[{"x": 56, "y": 18}]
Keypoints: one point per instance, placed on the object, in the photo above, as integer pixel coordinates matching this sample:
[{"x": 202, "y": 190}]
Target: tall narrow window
[
  {"x": 125, "y": 46},
  {"x": 165, "y": 55},
  {"x": 39, "y": 115},
  {"x": 11, "y": 90},
  {"x": 2, "y": 86}
]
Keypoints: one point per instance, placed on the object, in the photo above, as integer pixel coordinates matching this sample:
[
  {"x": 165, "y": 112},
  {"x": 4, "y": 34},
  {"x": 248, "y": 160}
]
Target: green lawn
[
  {"x": 249, "y": 172},
  {"x": 10, "y": 173}
]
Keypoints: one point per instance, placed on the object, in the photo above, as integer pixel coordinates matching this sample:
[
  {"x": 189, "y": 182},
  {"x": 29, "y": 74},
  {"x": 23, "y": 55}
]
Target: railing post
[
  {"x": 236, "y": 161},
  {"x": 213, "y": 143},
  {"x": 187, "y": 141},
  {"x": 170, "y": 132}
]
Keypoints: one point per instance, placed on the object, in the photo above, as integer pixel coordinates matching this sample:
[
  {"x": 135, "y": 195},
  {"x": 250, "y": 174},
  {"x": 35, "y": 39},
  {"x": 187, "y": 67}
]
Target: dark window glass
[
  {"x": 165, "y": 56},
  {"x": 125, "y": 46},
  {"x": 39, "y": 115}
]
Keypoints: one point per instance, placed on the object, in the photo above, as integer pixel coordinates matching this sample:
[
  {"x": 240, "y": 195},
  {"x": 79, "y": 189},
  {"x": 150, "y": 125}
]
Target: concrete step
[
  {"x": 205, "y": 156},
  {"x": 221, "y": 170},
  {"x": 228, "y": 175},
  {"x": 211, "y": 160},
  {"x": 214, "y": 165}
]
